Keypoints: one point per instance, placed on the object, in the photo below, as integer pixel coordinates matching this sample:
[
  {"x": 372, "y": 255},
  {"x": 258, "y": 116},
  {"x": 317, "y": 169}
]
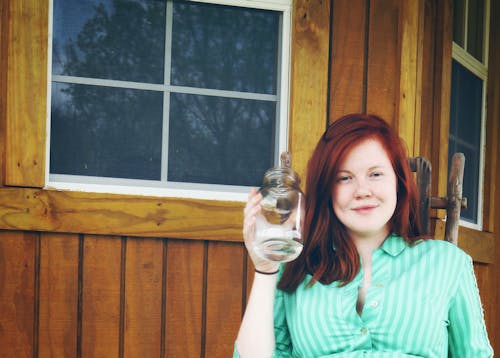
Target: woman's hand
[{"x": 252, "y": 209}]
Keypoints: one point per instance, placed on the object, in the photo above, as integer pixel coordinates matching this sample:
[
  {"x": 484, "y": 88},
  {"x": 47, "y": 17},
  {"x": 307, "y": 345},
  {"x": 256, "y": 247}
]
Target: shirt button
[
  {"x": 363, "y": 330},
  {"x": 374, "y": 304},
  {"x": 379, "y": 284}
]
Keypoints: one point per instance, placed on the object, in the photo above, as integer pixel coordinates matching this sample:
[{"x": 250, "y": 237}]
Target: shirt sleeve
[
  {"x": 467, "y": 331},
  {"x": 281, "y": 334}
]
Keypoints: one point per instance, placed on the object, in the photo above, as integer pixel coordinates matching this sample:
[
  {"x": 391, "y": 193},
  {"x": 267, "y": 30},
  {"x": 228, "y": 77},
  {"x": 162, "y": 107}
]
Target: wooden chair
[{"x": 452, "y": 203}]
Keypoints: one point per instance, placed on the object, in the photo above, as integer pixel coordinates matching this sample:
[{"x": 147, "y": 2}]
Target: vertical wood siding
[
  {"x": 118, "y": 297},
  {"x": 18, "y": 293}
]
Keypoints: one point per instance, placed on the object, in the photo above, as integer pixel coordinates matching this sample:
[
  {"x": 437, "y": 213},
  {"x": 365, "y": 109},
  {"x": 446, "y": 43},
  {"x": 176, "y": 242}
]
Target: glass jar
[{"x": 278, "y": 235}]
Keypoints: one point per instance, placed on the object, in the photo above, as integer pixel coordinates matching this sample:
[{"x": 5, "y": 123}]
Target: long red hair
[{"x": 329, "y": 254}]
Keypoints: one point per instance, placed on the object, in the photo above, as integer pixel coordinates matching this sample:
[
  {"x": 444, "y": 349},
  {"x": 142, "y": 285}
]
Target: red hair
[{"x": 329, "y": 254}]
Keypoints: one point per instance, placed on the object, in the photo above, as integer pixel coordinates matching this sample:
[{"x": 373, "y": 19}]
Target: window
[
  {"x": 177, "y": 97},
  {"x": 468, "y": 92}
]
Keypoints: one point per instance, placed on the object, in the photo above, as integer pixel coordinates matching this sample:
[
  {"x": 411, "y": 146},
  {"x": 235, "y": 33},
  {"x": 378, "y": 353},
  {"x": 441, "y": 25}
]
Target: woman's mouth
[{"x": 364, "y": 209}]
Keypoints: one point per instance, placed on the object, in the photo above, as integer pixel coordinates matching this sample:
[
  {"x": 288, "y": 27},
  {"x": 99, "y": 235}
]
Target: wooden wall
[
  {"x": 70, "y": 295},
  {"x": 96, "y": 275}
]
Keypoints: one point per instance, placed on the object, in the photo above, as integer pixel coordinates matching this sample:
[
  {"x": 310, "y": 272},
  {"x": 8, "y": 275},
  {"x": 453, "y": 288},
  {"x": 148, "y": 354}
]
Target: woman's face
[{"x": 364, "y": 195}]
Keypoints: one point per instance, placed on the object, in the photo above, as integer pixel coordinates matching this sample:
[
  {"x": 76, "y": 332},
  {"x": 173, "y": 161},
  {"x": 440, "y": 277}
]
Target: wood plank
[
  {"x": 428, "y": 74},
  {"x": 143, "y": 298},
  {"x": 224, "y": 297},
  {"x": 410, "y": 47},
  {"x": 383, "y": 59},
  {"x": 184, "y": 298},
  {"x": 309, "y": 73},
  {"x": 17, "y": 294},
  {"x": 480, "y": 245},
  {"x": 58, "y": 326},
  {"x": 347, "y": 93},
  {"x": 101, "y": 296},
  {"x": 4, "y": 21},
  {"x": 491, "y": 211},
  {"x": 127, "y": 215},
  {"x": 493, "y": 115},
  {"x": 27, "y": 93},
  {"x": 442, "y": 80},
  {"x": 487, "y": 286}
]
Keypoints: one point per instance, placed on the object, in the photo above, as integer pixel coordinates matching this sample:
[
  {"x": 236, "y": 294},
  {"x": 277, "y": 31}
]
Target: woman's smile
[{"x": 365, "y": 209}]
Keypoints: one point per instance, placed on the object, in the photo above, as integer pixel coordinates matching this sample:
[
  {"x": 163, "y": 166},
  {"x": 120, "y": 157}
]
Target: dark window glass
[
  {"x": 475, "y": 29},
  {"x": 224, "y": 47},
  {"x": 220, "y": 140},
  {"x": 465, "y": 131},
  {"x": 105, "y": 132},
  {"x": 115, "y": 128},
  {"x": 459, "y": 22},
  {"x": 109, "y": 39}
]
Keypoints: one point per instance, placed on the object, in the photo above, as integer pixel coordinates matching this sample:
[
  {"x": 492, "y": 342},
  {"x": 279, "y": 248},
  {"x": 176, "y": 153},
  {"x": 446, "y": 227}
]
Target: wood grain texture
[
  {"x": 493, "y": 116},
  {"x": 480, "y": 245},
  {"x": 26, "y": 107},
  {"x": 442, "y": 80},
  {"x": 309, "y": 73},
  {"x": 224, "y": 301},
  {"x": 383, "y": 59},
  {"x": 101, "y": 296},
  {"x": 410, "y": 47},
  {"x": 106, "y": 214},
  {"x": 485, "y": 277},
  {"x": 348, "y": 58},
  {"x": 428, "y": 86},
  {"x": 143, "y": 298},
  {"x": 491, "y": 213},
  {"x": 4, "y": 21},
  {"x": 58, "y": 326},
  {"x": 17, "y": 294},
  {"x": 184, "y": 298}
]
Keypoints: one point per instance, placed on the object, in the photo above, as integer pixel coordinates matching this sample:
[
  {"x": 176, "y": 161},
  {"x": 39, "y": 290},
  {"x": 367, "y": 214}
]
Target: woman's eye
[
  {"x": 343, "y": 179},
  {"x": 376, "y": 174}
]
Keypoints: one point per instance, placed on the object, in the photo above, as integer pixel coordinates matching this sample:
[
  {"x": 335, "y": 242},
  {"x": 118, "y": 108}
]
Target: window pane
[
  {"x": 466, "y": 104},
  {"x": 106, "y": 132},
  {"x": 109, "y": 39},
  {"x": 224, "y": 47},
  {"x": 475, "y": 29},
  {"x": 465, "y": 131},
  {"x": 471, "y": 182},
  {"x": 118, "y": 112},
  {"x": 459, "y": 22},
  {"x": 220, "y": 140}
]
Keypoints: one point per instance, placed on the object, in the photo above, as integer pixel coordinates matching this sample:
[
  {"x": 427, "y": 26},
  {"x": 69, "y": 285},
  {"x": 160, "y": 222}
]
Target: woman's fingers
[
  {"x": 252, "y": 208},
  {"x": 254, "y": 197}
]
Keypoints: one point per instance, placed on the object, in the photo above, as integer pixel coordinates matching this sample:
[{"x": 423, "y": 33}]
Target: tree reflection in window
[{"x": 111, "y": 93}]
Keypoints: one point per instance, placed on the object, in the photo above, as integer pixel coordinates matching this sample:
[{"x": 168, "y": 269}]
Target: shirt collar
[{"x": 394, "y": 245}]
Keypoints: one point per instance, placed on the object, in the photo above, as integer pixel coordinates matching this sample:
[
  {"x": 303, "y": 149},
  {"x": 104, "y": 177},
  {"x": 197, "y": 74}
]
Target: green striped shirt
[{"x": 423, "y": 302}]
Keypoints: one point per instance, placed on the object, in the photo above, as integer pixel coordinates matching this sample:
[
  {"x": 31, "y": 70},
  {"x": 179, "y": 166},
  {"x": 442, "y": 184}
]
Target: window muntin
[
  {"x": 468, "y": 100},
  {"x": 212, "y": 111}
]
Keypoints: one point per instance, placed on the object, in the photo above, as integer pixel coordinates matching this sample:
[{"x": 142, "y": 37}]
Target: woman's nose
[{"x": 362, "y": 189}]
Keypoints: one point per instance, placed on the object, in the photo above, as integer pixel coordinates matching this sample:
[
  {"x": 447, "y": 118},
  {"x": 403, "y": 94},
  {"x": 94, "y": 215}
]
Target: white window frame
[
  {"x": 479, "y": 69},
  {"x": 176, "y": 189}
]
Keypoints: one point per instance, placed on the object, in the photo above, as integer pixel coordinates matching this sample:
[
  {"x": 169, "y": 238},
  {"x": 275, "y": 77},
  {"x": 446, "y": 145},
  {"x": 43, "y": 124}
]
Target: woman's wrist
[{"x": 267, "y": 272}]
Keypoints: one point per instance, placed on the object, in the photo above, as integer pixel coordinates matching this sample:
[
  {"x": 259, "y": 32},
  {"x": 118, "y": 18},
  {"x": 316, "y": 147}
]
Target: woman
[{"x": 367, "y": 284}]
